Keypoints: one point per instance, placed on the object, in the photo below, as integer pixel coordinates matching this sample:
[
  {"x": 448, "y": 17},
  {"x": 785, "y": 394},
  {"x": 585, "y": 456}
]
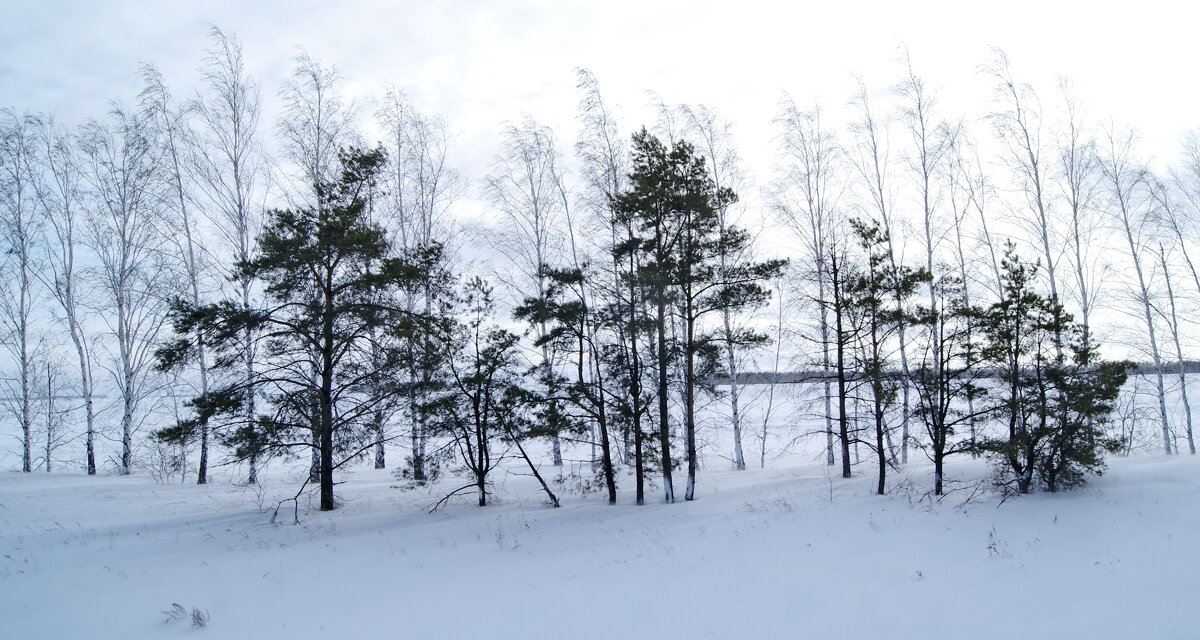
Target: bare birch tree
[
  {"x": 713, "y": 140},
  {"x": 174, "y": 135},
  {"x": 603, "y": 172},
  {"x": 228, "y": 168},
  {"x": 1128, "y": 205},
  {"x": 806, "y": 200},
  {"x": 1019, "y": 125},
  {"x": 524, "y": 186},
  {"x": 1078, "y": 180},
  {"x": 871, "y": 157},
  {"x": 960, "y": 201},
  {"x": 56, "y": 432},
  {"x": 20, "y": 221},
  {"x": 421, "y": 188},
  {"x": 126, "y": 235},
  {"x": 931, "y": 144},
  {"x": 979, "y": 191},
  {"x": 1178, "y": 202},
  {"x": 1171, "y": 315},
  {"x": 60, "y": 190}
]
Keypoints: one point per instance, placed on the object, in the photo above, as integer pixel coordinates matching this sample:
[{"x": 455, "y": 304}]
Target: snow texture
[{"x": 786, "y": 552}]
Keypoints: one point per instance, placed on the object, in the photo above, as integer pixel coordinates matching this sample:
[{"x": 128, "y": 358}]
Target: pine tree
[
  {"x": 567, "y": 319},
  {"x": 482, "y": 404},
  {"x": 675, "y": 206},
  {"x": 330, "y": 277},
  {"x": 880, "y": 297},
  {"x": 1055, "y": 395}
]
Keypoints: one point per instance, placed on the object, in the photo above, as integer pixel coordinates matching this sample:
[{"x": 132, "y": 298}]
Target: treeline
[{"x": 253, "y": 290}]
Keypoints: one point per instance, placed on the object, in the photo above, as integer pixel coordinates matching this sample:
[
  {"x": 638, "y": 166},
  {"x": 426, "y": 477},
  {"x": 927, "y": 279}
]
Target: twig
[{"x": 450, "y": 495}]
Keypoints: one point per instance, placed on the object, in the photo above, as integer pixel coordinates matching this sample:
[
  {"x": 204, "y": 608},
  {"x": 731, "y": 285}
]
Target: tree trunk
[
  {"x": 843, "y": 418},
  {"x": 1174, "y": 320},
  {"x": 689, "y": 393},
  {"x": 248, "y": 354},
  {"x": 826, "y": 365},
  {"x": 939, "y": 462},
  {"x": 326, "y": 398},
  {"x": 1144, "y": 298},
  {"x": 739, "y": 459},
  {"x": 380, "y": 460},
  {"x": 664, "y": 426}
]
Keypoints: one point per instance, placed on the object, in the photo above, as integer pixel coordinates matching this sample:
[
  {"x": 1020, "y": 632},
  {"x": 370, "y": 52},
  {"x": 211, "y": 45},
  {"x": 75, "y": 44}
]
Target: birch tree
[
  {"x": 174, "y": 135},
  {"x": 604, "y": 173},
  {"x": 960, "y": 194},
  {"x": 806, "y": 200},
  {"x": 1077, "y": 179},
  {"x": 1019, "y": 125},
  {"x": 713, "y": 139},
  {"x": 421, "y": 188},
  {"x": 229, "y": 169},
  {"x": 56, "y": 433},
  {"x": 1178, "y": 202},
  {"x": 931, "y": 145},
  {"x": 979, "y": 192},
  {"x": 60, "y": 190},
  {"x": 525, "y": 187},
  {"x": 20, "y": 220},
  {"x": 1171, "y": 315},
  {"x": 126, "y": 235},
  {"x": 1128, "y": 206}
]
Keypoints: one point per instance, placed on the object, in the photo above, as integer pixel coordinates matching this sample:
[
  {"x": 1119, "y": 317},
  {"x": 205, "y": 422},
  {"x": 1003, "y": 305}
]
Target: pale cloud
[{"x": 483, "y": 63}]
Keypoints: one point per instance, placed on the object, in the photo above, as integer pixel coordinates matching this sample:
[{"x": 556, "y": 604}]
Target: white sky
[{"x": 480, "y": 64}]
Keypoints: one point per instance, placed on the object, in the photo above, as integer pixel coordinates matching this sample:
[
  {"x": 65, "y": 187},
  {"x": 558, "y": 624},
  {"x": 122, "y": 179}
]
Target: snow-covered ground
[{"x": 785, "y": 552}]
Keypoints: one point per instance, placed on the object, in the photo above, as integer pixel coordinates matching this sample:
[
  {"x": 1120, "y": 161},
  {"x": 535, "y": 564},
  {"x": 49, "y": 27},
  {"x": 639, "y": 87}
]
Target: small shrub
[{"x": 174, "y": 614}]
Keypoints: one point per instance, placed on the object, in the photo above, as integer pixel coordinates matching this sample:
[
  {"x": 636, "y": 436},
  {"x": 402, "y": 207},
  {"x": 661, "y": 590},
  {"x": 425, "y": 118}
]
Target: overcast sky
[{"x": 480, "y": 64}]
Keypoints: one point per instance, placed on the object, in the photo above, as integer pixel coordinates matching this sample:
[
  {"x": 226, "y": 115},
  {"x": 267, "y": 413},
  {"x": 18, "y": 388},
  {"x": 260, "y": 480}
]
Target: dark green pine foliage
[
  {"x": 1054, "y": 403},
  {"x": 880, "y": 296},
  {"x": 330, "y": 278},
  {"x": 482, "y": 405},
  {"x": 573, "y": 325},
  {"x": 951, "y": 382},
  {"x": 674, "y": 206}
]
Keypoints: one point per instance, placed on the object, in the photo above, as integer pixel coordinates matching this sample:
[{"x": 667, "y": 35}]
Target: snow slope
[{"x": 778, "y": 553}]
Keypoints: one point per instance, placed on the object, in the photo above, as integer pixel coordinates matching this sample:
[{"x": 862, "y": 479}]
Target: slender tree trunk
[
  {"x": 689, "y": 394},
  {"x": 85, "y": 387},
  {"x": 26, "y": 384},
  {"x": 826, "y": 365},
  {"x": 326, "y": 402},
  {"x": 128, "y": 389},
  {"x": 85, "y": 379},
  {"x": 939, "y": 463},
  {"x": 1174, "y": 319},
  {"x": 635, "y": 401},
  {"x": 606, "y": 458},
  {"x": 251, "y": 409},
  {"x": 843, "y": 417},
  {"x": 739, "y": 459},
  {"x": 762, "y": 451},
  {"x": 378, "y": 415},
  {"x": 881, "y": 452},
  {"x": 637, "y": 406},
  {"x": 1144, "y": 299},
  {"x": 664, "y": 425}
]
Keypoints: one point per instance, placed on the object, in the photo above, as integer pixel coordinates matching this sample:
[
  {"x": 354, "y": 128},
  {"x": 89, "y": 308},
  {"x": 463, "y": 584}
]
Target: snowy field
[{"x": 782, "y": 552}]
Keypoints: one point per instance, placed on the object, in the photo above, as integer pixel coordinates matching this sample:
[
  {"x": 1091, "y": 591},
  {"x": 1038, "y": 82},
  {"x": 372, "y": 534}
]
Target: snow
[{"x": 784, "y": 552}]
